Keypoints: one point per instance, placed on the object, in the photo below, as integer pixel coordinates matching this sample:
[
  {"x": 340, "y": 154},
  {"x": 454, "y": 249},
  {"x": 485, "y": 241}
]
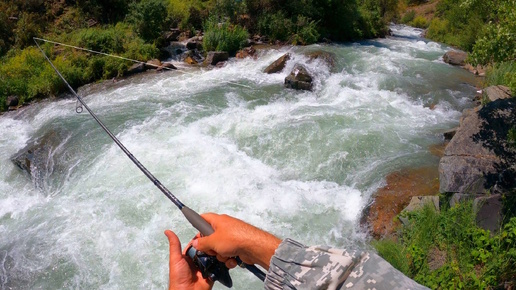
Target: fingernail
[{"x": 194, "y": 243}]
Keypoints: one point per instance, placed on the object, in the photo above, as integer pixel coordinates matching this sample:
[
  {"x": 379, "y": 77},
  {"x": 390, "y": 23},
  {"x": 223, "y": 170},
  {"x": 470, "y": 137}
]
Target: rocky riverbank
[{"x": 477, "y": 163}]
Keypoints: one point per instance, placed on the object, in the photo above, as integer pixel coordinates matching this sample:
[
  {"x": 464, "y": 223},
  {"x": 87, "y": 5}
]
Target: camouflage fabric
[{"x": 295, "y": 266}]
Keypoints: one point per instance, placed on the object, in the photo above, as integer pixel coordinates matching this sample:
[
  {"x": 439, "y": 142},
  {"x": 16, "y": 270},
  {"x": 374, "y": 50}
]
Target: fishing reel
[{"x": 210, "y": 267}]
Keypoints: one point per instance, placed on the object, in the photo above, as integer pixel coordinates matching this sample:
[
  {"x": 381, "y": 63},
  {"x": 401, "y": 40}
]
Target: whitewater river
[{"x": 231, "y": 140}]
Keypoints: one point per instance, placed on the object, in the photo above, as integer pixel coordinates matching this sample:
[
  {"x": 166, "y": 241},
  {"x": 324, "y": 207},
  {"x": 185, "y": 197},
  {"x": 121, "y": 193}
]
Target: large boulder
[
  {"x": 478, "y": 158},
  {"x": 455, "y": 57},
  {"x": 489, "y": 212},
  {"x": 299, "y": 79},
  {"x": 278, "y": 65},
  {"x": 153, "y": 64},
  {"x": 135, "y": 69},
  {"x": 214, "y": 57}
]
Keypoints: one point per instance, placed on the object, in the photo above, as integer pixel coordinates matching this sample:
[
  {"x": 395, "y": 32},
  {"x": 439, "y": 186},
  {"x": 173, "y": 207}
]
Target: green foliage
[
  {"x": 188, "y": 14},
  {"x": 148, "y": 18},
  {"x": 503, "y": 73},
  {"x": 470, "y": 257},
  {"x": 306, "y": 32},
  {"x": 224, "y": 37},
  {"x": 419, "y": 22},
  {"x": 497, "y": 43},
  {"x": 408, "y": 16},
  {"x": 26, "y": 29}
]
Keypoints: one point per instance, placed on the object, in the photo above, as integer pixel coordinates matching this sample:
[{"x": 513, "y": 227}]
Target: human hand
[
  {"x": 233, "y": 237},
  {"x": 183, "y": 275}
]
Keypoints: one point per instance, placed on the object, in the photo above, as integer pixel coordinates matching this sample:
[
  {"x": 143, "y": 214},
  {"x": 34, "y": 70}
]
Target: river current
[{"x": 231, "y": 140}]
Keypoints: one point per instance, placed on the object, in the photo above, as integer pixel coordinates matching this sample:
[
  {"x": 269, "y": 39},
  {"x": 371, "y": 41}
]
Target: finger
[
  {"x": 221, "y": 258},
  {"x": 175, "y": 246},
  {"x": 231, "y": 263},
  {"x": 204, "y": 244}
]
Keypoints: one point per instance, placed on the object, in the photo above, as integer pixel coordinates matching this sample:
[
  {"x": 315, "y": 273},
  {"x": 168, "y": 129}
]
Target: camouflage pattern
[{"x": 295, "y": 266}]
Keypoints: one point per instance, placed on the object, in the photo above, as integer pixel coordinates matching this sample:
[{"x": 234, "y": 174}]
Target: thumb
[{"x": 175, "y": 246}]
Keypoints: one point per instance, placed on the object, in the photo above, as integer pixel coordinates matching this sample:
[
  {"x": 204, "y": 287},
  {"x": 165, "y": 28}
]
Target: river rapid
[{"x": 231, "y": 140}]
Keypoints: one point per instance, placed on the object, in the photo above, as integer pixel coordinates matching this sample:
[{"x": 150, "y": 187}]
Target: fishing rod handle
[
  {"x": 197, "y": 221},
  {"x": 205, "y": 229}
]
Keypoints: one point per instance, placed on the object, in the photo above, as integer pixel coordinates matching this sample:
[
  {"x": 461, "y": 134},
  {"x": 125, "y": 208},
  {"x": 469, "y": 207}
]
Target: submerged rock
[
  {"x": 36, "y": 159},
  {"x": 299, "y": 79},
  {"x": 278, "y": 65}
]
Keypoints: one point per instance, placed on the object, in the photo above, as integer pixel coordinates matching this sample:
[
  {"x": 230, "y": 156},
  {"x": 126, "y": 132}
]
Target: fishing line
[
  {"x": 193, "y": 217},
  {"x": 128, "y": 59}
]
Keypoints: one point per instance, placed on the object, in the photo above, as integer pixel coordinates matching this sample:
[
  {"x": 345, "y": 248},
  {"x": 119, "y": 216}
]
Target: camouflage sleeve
[{"x": 295, "y": 266}]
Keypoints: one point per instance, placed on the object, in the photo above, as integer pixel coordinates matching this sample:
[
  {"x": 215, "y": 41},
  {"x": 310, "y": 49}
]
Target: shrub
[
  {"x": 224, "y": 37},
  {"x": 419, "y": 22},
  {"x": 277, "y": 26},
  {"x": 409, "y": 16},
  {"x": 148, "y": 18},
  {"x": 306, "y": 31}
]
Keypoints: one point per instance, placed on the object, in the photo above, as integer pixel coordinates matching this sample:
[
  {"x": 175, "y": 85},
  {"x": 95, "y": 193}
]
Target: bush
[
  {"x": 224, "y": 37},
  {"x": 419, "y": 22},
  {"x": 306, "y": 32},
  {"x": 148, "y": 18},
  {"x": 277, "y": 26}
]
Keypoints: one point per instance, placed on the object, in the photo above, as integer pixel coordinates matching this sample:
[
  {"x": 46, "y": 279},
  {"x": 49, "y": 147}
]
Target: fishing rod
[{"x": 209, "y": 266}]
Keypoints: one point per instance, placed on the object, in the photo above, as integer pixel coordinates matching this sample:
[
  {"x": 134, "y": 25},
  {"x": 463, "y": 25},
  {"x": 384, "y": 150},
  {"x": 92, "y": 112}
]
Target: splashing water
[{"x": 230, "y": 140}]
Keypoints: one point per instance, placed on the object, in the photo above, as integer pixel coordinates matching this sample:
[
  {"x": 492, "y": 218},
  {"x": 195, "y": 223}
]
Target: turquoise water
[{"x": 230, "y": 140}]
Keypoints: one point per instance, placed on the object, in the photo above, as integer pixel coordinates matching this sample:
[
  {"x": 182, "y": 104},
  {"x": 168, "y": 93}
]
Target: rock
[
  {"x": 246, "y": 52},
  {"x": 448, "y": 135},
  {"x": 194, "y": 43},
  {"x": 494, "y": 93},
  {"x": 12, "y": 101},
  {"x": 327, "y": 57},
  {"x": 478, "y": 70},
  {"x": 455, "y": 57},
  {"x": 299, "y": 79},
  {"x": 166, "y": 66},
  {"x": 220, "y": 64},
  {"x": 135, "y": 68},
  {"x": 153, "y": 64},
  {"x": 489, "y": 212},
  {"x": 278, "y": 65},
  {"x": 190, "y": 60},
  {"x": 214, "y": 57},
  {"x": 417, "y": 203},
  {"x": 461, "y": 197},
  {"x": 36, "y": 159},
  {"x": 185, "y": 35},
  {"x": 172, "y": 35},
  {"x": 478, "y": 159}
]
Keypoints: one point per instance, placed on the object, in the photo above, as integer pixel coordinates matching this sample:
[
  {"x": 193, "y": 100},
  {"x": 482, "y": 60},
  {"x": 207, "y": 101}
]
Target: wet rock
[
  {"x": 35, "y": 159},
  {"x": 246, "y": 52},
  {"x": 278, "y": 65},
  {"x": 153, "y": 64},
  {"x": 172, "y": 35},
  {"x": 135, "y": 68},
  {"x": 448, "y": 135},
  {"x": 214, "y": 57},
  {"x": 190, "y": 60},
  {"x": 327, "y": 57},
  {"x": 166, "y": 66},
  {"x": 455, "y": 57},
  {"x": 194, "y": 44},
  {"x": 299, "y": 79},
  {"x": 12, "y": 101},
  {"x": 494, "y": 93}
]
